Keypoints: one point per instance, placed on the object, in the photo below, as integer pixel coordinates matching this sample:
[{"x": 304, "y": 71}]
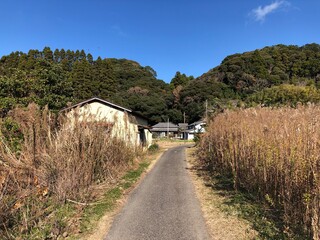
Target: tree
[
  {"x": 90, "y": 58},
  {"x": 47, "y": 54},
  {"x": 180, "y": 79},
  {"x": 56, "y": 56},
  {"x": 151, "y": 70}
]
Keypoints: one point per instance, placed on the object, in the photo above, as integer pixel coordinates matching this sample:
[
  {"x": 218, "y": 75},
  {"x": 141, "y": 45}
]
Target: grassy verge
[
  {"x": 238, "y": 207},
  {"x": 221, "y": 222},
  {"x": 272, "y": 153},
  {"x": 97, "y": 217},
  {"x": 93, "y": 213},
  {"x": 58, "y": 220},
  {"x": 264, "y": 219},
  {"x": 91, "y": 220},
  {"x": 81, "y": 219},
  {"x": 241, "y": 204}
]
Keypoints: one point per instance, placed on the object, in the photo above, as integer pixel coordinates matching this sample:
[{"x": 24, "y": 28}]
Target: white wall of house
[
  {"x": 190, "y": 136},
  {"x": 148, "y": 137},
  {"x": 198, "y": 128},
  {"x": 123, "y": 128}
]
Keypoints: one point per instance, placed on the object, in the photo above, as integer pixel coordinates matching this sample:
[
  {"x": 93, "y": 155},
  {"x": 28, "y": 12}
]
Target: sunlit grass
[{"x": 273, "y": 154}]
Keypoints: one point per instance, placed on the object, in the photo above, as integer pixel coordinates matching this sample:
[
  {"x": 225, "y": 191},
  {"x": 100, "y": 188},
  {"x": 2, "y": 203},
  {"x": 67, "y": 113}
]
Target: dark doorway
[{"x": 142, "y": 135}]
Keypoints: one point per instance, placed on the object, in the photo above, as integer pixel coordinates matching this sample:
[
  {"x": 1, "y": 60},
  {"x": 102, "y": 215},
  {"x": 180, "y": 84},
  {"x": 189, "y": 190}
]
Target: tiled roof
[
  {"x": 164, "y": 126},
  {"x": 183, "y": 126}
]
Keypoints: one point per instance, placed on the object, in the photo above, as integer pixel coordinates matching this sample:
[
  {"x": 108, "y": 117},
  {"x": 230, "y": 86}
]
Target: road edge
[
  {"x": 104, "y": 223},
  {"x": 220, "y": 225}
]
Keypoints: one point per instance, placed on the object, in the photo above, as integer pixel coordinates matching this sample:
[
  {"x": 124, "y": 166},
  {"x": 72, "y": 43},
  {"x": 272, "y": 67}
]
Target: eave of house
[{"x": 95, "y": 99}]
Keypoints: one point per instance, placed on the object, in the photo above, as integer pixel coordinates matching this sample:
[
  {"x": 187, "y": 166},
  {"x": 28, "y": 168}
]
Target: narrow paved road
[{"x": 164, "y": 206}]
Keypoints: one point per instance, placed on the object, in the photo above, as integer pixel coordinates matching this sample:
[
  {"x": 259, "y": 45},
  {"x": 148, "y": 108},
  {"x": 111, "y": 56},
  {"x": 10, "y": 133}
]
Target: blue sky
[{"x": 190, "y": 36}]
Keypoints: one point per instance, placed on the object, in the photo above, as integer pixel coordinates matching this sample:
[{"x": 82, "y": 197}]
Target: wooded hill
[{"x": 272, "y": 75}]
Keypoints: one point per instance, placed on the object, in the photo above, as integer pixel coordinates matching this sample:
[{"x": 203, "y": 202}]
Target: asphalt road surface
[{"x": 164, "y": 206}]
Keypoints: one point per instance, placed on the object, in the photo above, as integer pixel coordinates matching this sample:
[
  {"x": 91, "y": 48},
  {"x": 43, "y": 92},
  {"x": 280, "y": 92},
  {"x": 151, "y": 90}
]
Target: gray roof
[
  {"x": 198, "y": 122},
  {"x": 183, "y": 126},
  {"x": 164, "y": 126}
]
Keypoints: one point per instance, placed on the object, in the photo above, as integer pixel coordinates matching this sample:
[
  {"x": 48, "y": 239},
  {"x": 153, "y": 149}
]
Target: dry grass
[
  {"x": 274, "y": 155},
  {"x": 221, "y": 225},
  {"x": 55, "y": 163}
]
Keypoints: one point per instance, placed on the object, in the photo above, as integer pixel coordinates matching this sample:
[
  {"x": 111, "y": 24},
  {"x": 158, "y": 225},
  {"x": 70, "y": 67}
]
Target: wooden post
[
  {"x": 206, "y": 110},
  {"x": 168, "y": 129}
]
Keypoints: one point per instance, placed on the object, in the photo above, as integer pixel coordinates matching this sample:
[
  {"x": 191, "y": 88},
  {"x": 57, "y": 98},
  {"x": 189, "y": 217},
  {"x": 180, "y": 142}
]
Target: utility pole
[
  {"x": 206, "y": 110},
  {"x": 184, "y": 127},
  {"x": 168, "y": 129}
]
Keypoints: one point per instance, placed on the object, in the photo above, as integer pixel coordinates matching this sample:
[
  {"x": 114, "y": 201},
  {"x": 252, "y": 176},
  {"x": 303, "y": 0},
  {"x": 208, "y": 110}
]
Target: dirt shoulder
[{"x": 221, "y": 225}]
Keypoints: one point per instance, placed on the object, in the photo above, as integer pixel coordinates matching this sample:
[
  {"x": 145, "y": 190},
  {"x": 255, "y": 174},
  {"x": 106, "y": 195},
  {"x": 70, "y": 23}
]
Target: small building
[
  {"x": 165, "y": 129},
  {"x": 196, "y": 128},
  {"x": 128, "y": 125}
]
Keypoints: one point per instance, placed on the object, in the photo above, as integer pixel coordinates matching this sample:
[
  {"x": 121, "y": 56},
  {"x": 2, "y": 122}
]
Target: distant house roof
[
  {"x": 196, "y": 123},
  {"x": 164, "y": 127},
  {"x": 183, "y": 126},
  {"x": 196, "y": 127},
  {"x": 95, "y": 99}
]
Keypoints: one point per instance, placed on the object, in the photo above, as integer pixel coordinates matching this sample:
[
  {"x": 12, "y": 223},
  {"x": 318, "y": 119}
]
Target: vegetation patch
[
  {"x": 234, "y": 206},
  {"x": 110, "y": 200},
  {"x": 242, "y": 204},
  {"x": 94, "y": 212},
  {"x": 272, "y": 156},
  {"x": 56, "y": 77},
  {"x": 153, "y": 147},
  {"x": 221, "y": 220},
  {"x": 45, "y": 168}
]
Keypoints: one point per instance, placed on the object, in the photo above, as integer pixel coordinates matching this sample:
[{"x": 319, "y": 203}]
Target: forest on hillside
[
  {"x": 56, "y": 78},
  {"x": 276, "y": 75},
  {"x": 273, "y": 75}
]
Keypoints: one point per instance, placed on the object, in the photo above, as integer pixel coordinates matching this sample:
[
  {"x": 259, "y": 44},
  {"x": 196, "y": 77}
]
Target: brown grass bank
[
  {"x": 274, "y": 155},
  {"x": 45, "y": 164}
]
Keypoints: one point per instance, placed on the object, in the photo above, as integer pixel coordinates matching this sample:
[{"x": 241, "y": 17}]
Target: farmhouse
[
  {"x": 162, "y": 129},
  {"x": 196, "y": 128},
  {"x": 128, "y": 125},
  {"x": 183, "y": 130}
]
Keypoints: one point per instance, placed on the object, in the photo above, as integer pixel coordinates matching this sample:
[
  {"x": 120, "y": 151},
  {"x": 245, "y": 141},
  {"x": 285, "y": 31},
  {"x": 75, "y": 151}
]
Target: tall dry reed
[
  {"x": 275, "y": 154},
  {"x": 57, "y": 160}
]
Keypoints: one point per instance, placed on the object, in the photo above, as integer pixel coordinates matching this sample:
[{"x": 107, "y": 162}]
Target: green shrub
[
  {"x": 153, "y": 147},
  {"x": 12, "y": 134}
]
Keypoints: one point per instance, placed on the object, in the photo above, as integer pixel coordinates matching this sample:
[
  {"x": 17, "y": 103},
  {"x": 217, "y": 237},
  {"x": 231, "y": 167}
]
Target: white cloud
[{"x": 260, "y": 13}]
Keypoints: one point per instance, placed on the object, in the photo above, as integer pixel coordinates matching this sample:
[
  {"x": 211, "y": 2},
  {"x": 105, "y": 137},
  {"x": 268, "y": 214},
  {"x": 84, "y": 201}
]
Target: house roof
[
  {"x": 95, "y": 99},
  {"x": 183, "y": 126},
  {"x": 165, "y": 126},
  {"x": 198, "y": 122},
  {"x": 110, "y": 104}
]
